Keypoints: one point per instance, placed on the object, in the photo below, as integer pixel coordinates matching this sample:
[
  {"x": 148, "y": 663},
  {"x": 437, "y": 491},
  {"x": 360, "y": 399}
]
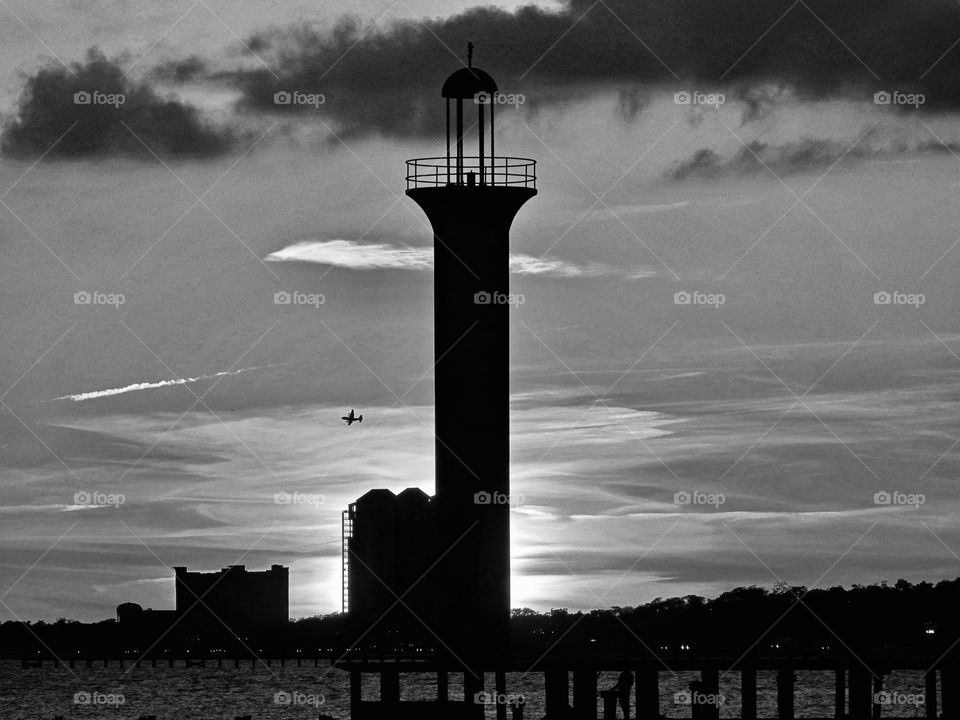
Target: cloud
[
  {"x": 109, "y": 392},
  {"x": 800, "y": 156},
  {"x": 119, "y": 117},
  {"x": 180, "y": 70},
  {"x": 384, "y": 78},
  {"x": 353, "y": 255}
]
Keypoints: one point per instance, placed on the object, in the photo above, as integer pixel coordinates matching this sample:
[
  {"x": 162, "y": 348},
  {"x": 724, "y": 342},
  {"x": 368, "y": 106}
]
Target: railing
[{"x": 494, "y": 171}]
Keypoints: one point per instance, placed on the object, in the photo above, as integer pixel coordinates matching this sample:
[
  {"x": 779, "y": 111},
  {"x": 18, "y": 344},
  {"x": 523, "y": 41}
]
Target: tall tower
[{"x": 471, "y": 201}]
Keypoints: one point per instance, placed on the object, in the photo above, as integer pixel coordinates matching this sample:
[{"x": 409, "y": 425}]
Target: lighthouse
[{"x": 471, "y": 201}]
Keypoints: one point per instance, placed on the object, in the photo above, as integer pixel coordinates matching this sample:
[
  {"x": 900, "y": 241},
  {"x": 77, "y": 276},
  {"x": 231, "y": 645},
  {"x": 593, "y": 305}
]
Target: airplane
[{"x": 351, "y": 418}]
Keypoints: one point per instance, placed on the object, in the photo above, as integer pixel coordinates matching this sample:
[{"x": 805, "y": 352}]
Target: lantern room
[{"x": 470, "y": 95}]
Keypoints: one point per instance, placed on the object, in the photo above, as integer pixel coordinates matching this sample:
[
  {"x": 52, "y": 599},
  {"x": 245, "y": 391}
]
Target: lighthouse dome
[{"x": 467, "y": 82}]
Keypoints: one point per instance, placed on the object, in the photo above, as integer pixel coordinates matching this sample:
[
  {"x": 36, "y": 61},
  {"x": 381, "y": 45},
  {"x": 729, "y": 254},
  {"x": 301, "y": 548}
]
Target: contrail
[{"x": 93, "y": 394}]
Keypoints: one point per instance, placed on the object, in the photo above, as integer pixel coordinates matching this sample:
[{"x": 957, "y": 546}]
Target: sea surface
[{"x": 292, "y": 693}]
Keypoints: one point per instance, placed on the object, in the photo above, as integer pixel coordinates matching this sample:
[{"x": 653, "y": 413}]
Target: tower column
[{"x": 471, "y": 218}]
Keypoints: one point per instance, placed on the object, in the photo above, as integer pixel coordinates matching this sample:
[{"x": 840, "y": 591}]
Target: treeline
[
  {"x": 879, "y": 618},
  {"x": 782, "y": 620}
]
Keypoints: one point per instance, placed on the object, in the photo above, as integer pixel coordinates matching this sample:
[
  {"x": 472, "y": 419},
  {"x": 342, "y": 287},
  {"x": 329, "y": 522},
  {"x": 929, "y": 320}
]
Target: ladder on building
[{"x": 345, "y": 535}]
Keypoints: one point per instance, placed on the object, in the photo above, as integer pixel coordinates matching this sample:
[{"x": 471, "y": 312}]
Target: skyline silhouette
[{"x": 716, "y": 353}]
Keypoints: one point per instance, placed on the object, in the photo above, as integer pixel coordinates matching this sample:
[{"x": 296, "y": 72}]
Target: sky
[{"x": 738, "y": 320}]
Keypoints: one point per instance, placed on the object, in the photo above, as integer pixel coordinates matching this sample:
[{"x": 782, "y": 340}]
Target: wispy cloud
[
  {"x": 386, "y": 256},
  {"x": 94, "y": 394},
  {"x": 351, "y": 254}
]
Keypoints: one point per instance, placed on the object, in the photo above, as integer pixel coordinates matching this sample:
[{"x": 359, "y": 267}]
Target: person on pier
[{"x": 622, "y": 688}]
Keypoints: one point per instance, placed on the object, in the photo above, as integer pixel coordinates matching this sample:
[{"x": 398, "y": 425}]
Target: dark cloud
[
  {"x": 119, "y": 117},
  {"x": 387, "y": 79},
  {"x": 180, "y": 71},
  {"x": 806, "y": 154}
]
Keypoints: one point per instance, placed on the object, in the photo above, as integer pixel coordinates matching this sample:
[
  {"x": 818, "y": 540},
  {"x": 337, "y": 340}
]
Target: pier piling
[
  {"x": 389, "y": 687},
  {"x": 647, "y": 690},
  {"x": 556, "y": 692},
  {"x": 355, "y": 689},
  {"x": 585, "y": 693},
  {"x": 861, "y": 697},
  {"x": 748, "y": 693},
  {"x": 443, "y": 686},
  {"x": 840, "y": 693},
  {"x": 710, "y": 687},
  {"x": 949, "y": 691},
  {"x": 500, "y": 683},
  {"x": 786, "y": 679},
  {"x": 930, "y": 693},
  {"x": 472, "y": 686}
]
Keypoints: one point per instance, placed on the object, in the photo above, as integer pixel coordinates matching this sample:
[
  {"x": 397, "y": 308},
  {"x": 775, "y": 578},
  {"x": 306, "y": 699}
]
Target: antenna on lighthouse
[{"x": 469, "y": 54}]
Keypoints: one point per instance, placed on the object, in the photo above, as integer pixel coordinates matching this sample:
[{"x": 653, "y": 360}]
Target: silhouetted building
[
  {"x": 133, "y": 618},
  {"x": 234, "y": 597},
  {"x": 471, "y": 202},
  {"x": 389, "y": 543}
]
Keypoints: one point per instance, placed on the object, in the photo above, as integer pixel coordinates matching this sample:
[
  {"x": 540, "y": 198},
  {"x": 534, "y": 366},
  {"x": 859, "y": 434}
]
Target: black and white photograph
[{"x": 513, "y": 360}]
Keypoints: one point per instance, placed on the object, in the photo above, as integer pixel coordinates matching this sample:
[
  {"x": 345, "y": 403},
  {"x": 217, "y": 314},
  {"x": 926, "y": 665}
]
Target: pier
[{"x": 857, "y": 683}]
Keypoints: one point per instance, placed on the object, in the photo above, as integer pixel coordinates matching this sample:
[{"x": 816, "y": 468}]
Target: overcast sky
[{"x": 781, "y": 200}]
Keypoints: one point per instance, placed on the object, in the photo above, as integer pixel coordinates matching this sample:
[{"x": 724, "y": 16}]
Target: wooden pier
[{"x": 855, "y": 689}]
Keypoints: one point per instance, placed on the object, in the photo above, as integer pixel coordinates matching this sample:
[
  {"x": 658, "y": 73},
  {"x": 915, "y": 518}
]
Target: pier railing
[{"x": 495, "y": 171}]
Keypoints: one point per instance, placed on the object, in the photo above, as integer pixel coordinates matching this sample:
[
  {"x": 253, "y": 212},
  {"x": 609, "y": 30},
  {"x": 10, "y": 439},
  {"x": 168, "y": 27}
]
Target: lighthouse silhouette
[{"x": 471, "y": 201}]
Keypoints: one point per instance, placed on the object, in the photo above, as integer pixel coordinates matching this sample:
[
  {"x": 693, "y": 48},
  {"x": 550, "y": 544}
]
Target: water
[{"x": 213, "y": 693}]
